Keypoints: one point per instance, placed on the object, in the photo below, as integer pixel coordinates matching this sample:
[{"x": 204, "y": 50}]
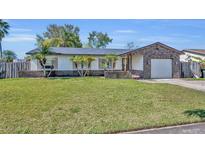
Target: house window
[
  {"x": 104, "y": 64},
  {"x": 50, "y": 63},
  {"x": 79, "y": 66}
]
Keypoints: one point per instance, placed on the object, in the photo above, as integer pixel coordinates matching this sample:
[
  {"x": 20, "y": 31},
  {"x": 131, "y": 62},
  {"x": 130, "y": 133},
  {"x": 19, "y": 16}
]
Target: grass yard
[
  {"x": 196, "y": 79},
  {"x": 94, "y": 105}
]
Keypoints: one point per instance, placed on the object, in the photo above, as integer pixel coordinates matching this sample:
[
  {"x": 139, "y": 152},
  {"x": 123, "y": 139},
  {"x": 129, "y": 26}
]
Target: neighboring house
[
  {"x": 190, "y": 54},
  {"x": 153, "y": 61},
  {"x": 192, "y": 58}
]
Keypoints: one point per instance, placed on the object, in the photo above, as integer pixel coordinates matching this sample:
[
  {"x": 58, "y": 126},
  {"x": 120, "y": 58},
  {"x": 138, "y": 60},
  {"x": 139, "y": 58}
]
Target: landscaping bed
[{"x": 94, "y": 105}]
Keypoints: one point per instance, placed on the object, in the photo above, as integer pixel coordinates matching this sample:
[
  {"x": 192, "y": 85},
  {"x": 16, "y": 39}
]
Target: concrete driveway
[
  {"x": 193, "y": 84},
  {"x": 197, "y": 128}
]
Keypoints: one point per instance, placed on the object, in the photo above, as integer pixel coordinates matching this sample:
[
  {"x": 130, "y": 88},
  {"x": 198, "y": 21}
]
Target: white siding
[
  {"x": 119, "y": 64},
  {"x": 94, "y": 64},
  {"x": 187, "y": 54},
  {"x": 33, "y": 64},
  {"x": 137, "y": 62},
  {"x": 65, "y": 63}
]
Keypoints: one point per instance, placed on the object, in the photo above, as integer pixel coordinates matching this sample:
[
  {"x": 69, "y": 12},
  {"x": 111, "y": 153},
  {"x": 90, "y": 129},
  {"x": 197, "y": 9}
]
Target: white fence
[{"x": 11, "y": 70}]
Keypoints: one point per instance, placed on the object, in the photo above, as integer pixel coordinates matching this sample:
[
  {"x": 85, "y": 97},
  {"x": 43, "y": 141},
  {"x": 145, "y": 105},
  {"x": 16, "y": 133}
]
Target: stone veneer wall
[
  {"x": 158, "y": 52},
  {"x": 140, "y": 73}
]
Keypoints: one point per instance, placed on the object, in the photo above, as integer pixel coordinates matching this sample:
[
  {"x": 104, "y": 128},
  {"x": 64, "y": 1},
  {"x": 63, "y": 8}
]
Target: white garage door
[{"x": 161, "y": 68}]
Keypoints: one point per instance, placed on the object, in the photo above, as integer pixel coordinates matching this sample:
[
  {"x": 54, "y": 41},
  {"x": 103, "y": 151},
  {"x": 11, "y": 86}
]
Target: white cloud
[
  {"x": 20, "y": 30},
  {"x": 125, "y": 31},
  {"x": 20, "y": 38}
]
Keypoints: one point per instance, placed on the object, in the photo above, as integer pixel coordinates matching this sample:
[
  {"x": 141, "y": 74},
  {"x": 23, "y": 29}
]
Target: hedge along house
[{"x": 153, "y": 61}]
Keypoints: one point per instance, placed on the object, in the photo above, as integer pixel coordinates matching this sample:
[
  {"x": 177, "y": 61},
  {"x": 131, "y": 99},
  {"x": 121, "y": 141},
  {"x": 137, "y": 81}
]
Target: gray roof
[
  {"x": 196, "y": 51},
  {"x": 81, "y": 51},
  {"x": 156, "y": 43}
]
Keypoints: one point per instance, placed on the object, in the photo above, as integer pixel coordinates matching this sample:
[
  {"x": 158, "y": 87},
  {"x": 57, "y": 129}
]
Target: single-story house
[
  {"x": 156, "y": 60},
  {"x": 192, "y": 54}
]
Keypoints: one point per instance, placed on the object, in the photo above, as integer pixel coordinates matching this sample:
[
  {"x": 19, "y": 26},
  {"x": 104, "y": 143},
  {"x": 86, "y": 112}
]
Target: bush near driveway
[{"x": 92, "y": 105}]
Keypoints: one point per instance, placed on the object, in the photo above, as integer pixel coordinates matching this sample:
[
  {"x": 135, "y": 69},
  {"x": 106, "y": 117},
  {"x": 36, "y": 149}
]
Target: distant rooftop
[
  {"x": 196, "y": 51},
  {"x": 81, "y": 51}
]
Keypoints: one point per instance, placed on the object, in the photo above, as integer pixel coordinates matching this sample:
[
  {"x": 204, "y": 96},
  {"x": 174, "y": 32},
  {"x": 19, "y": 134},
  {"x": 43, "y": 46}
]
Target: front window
[
  {"x": 51, "y": 63},
  {"x": 104, "y": 64},
  {"x": 80, "y": 66}
]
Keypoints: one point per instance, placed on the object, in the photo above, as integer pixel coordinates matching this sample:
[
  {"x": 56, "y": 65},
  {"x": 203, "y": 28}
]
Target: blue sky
[{"x": 179, "y": 34}]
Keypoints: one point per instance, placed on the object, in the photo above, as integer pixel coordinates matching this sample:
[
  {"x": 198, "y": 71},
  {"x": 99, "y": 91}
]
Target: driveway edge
[{"x": 138, "y": 130}]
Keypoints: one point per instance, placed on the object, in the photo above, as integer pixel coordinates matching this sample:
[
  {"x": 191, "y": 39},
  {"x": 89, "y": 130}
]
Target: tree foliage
[
  {"x": 111, "y": 58},
  {"x": 61, "y": 36},
  {"x": 131, "y": 45},
  {"x": 83, "y": 64},
  {"x": 4, "y": 27},
  {"x": 43, "y": 52},
  {"x": 9, "y": 55},
  {"x": 28, "y": 58},
  {"x": 98, "y": 40}
]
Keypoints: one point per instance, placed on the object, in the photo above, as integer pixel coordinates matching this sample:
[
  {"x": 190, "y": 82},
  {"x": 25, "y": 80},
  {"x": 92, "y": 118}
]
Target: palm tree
[
  {"x": 9, "y": 55},
  {"x": 111, "y": 58},
  {"x": 4, "y": 27},
  {"x": 88, "y": 61},
  {"x": 83, "y": 64},
  {"x": 78, "y": 62},
  {"x": 41, "y": 55}
]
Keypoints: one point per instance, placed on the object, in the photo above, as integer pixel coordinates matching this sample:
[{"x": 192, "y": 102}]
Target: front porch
[
  {"x": 132, "y": 67},
  {"x": 132, "y": 63}
]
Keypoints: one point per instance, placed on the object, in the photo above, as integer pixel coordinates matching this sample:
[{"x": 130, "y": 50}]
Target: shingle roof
[
  {"x": 196, "y": 51},
  {"x": 156, "y": 43},
  {"x": 81, "y": 51}
]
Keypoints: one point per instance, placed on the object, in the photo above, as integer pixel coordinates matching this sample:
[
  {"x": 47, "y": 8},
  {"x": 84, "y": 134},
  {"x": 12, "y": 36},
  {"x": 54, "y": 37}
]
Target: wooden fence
[
  {"x": 11, "y": 70},
  {"x": 190, "y": 69}
]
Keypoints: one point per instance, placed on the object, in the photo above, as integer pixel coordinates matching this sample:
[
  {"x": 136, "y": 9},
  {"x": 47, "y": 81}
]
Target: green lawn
[
  {"x": 94, "y": 105},
  {"x": 196, "y": 79}
]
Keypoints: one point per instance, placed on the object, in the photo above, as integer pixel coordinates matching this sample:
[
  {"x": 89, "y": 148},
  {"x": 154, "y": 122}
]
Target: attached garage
[
  {"x": 161, "y": 68},
  {"x": 158, "y": 61}
]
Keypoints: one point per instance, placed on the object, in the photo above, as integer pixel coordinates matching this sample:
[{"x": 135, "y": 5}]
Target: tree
[
  {"x": 9, "y": 55},
  {"x": 83, "y": 64},
  {"x": 61, "y": 36},
  {"x": 28, "y": 58},
  {"x": 4, "y": 27},
  {"x": 98, "y": 40},
  {"x": 131, "y": 45},
  {"x": 111, "y": 58},
  {"x": 41, "y": 55}
]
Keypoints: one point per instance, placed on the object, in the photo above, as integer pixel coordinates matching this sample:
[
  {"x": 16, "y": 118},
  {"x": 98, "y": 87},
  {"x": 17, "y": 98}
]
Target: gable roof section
[
  {"x": 94, "y": 51},
  {"x": 196, "y": 51},
  {"x": 154, "y": 44},
  {"x": 80, "y": 51}
]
